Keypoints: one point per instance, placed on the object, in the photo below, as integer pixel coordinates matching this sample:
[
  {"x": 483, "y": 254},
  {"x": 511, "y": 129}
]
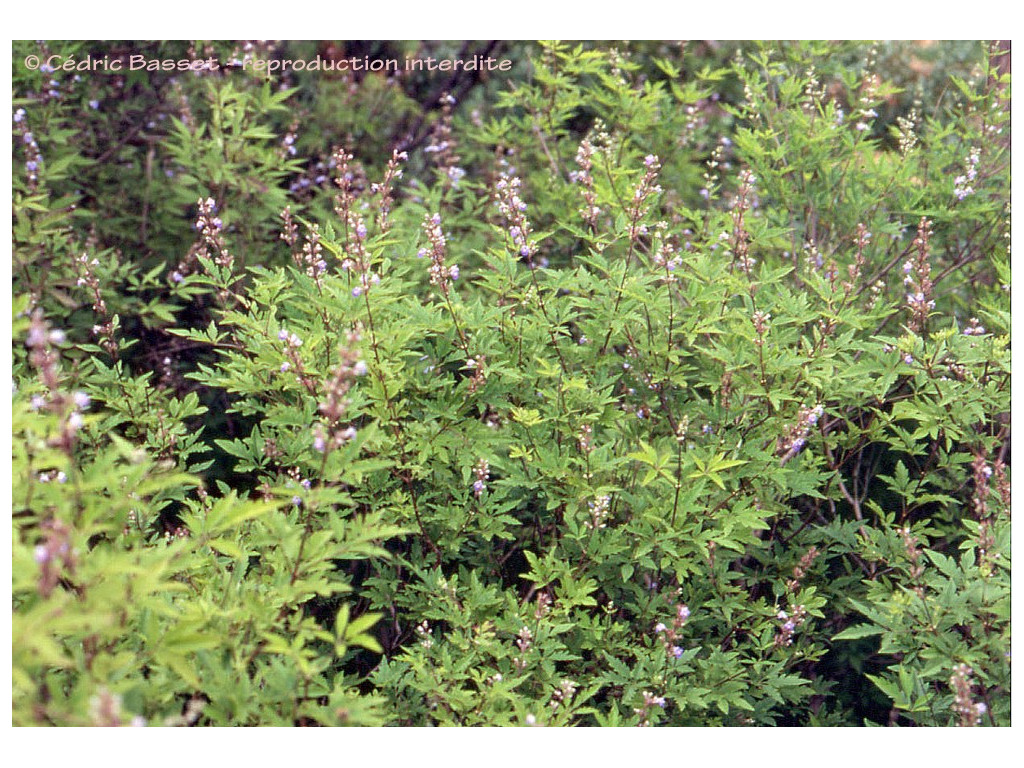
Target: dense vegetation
[{"x": 648, "y": 384}]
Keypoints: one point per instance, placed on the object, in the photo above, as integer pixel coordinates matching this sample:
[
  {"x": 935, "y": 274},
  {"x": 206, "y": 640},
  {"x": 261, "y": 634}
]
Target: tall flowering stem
[
  {"x": 357, "y": 262},
  {"x": 33, "y": 157},
  {"x": 291, "y": 344},
  {"x": 332, "y": 433},
  {"x": 55, "y": 556},
  {"x": 790, "y": 444},
  {"x": 442, "y": 143},
  {"x": 670, "y": 635},
  {"x": 968, "y": 712},
  {"x": 441, "y": 274},
  {"x": 289, "y": 230},
  {"x": 42, "y": 343},
  {"x": 513, "y": 209},
  {"x": 917, "y": 278},
  {"x": 963, "y": 185},
  {"x": 740, "y": 240},
  {"x": 211, "y": 246},
  {"x": 385, "y": 188},
  {"x": 641, "y": 203},
  {"x": 210, "y": 227},
  {"x": 791, "y": 621},
  {"x": 311, "y": 257},
  {"x": 87, "y": 278},
  {"x": 986, "y": 539},
  {"x": 584, "y": 177}
]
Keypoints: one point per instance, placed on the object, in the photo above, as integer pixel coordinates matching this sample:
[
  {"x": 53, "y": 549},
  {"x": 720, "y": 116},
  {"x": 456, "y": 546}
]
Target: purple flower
[
  {"x": 318, "y": 444},
  {"x": 361, "y": 231},
  {"x": 285, "y": 366},
  {"x": 36, "y": 337},
  {"x": 677, "y": 651},
  {"x": 94, "y": 103},
  {"x": 659, "y": 628},
  {"x": 296, "y": 501},
  {"x": 82, "y": 400},
  {"x": 41, "y": 555}
]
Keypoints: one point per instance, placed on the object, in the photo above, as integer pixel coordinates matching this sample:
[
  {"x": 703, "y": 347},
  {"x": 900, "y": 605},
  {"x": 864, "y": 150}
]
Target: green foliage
[{"x": 657, "y": 386}]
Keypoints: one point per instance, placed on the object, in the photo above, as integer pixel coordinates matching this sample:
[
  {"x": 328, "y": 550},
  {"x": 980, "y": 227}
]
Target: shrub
[{"x": 660, "y": 386}]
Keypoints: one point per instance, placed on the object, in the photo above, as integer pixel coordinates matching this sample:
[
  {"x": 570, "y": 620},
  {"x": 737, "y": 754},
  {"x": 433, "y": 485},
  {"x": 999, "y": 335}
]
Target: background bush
[{"x": 649, "y": 384}]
